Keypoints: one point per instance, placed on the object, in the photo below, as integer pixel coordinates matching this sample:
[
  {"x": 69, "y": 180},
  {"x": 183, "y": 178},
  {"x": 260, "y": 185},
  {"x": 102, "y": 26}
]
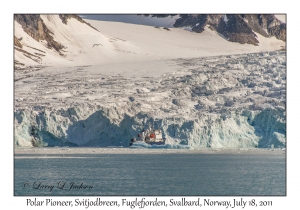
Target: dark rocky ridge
[
  {"x": 269, "y": 23},
  {"x": 238, "y": 27},
  {"x": 35, "y": 57},
  {"x": 17, "y": 42},
  {"x": 65, "y": 17},
  {"x": 34, "y": 26}
]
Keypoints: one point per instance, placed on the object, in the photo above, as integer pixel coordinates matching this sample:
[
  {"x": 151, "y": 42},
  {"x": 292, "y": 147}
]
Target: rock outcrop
[
  {"x": 17, "y": 42},
  {"x": 239, "y": 28},
  {"x": 65, "y": 17},
  {"x": 34, "y": 26}
]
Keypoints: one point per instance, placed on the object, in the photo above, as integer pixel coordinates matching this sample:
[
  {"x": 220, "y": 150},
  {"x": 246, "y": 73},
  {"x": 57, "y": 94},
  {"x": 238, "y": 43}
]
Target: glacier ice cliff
[{"x": 100, "y": 126}]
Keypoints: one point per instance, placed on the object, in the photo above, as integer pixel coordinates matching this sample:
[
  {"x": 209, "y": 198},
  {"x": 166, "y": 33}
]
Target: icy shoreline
[{"x": 19, "y": 152}]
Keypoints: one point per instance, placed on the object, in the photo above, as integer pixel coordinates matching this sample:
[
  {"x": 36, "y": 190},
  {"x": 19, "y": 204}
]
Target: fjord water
[{"x": 181, "y": 174}]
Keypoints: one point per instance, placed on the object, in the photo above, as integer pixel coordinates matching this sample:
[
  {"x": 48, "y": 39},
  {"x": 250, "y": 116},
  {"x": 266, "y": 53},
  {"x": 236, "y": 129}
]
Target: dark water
[{"x": 152, "y": 174}]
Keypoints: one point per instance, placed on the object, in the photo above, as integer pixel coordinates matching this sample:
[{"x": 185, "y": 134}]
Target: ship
[{"x": 149, "y": 136}]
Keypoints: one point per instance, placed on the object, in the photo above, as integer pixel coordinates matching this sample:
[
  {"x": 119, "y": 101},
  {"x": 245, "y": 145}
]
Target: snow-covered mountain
[
  {"x": 61, "y": 40},
  {"x": 86, "y": 82},
  {"x": 236, "y": 28},
  {"x": 70, "y": 40},
  {"x": 233, "y": 27}
]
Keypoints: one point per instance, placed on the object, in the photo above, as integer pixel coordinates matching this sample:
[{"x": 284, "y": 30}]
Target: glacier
[
  {"x": 233, "y": 101},
  {"x": 99, "y": 126}
]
